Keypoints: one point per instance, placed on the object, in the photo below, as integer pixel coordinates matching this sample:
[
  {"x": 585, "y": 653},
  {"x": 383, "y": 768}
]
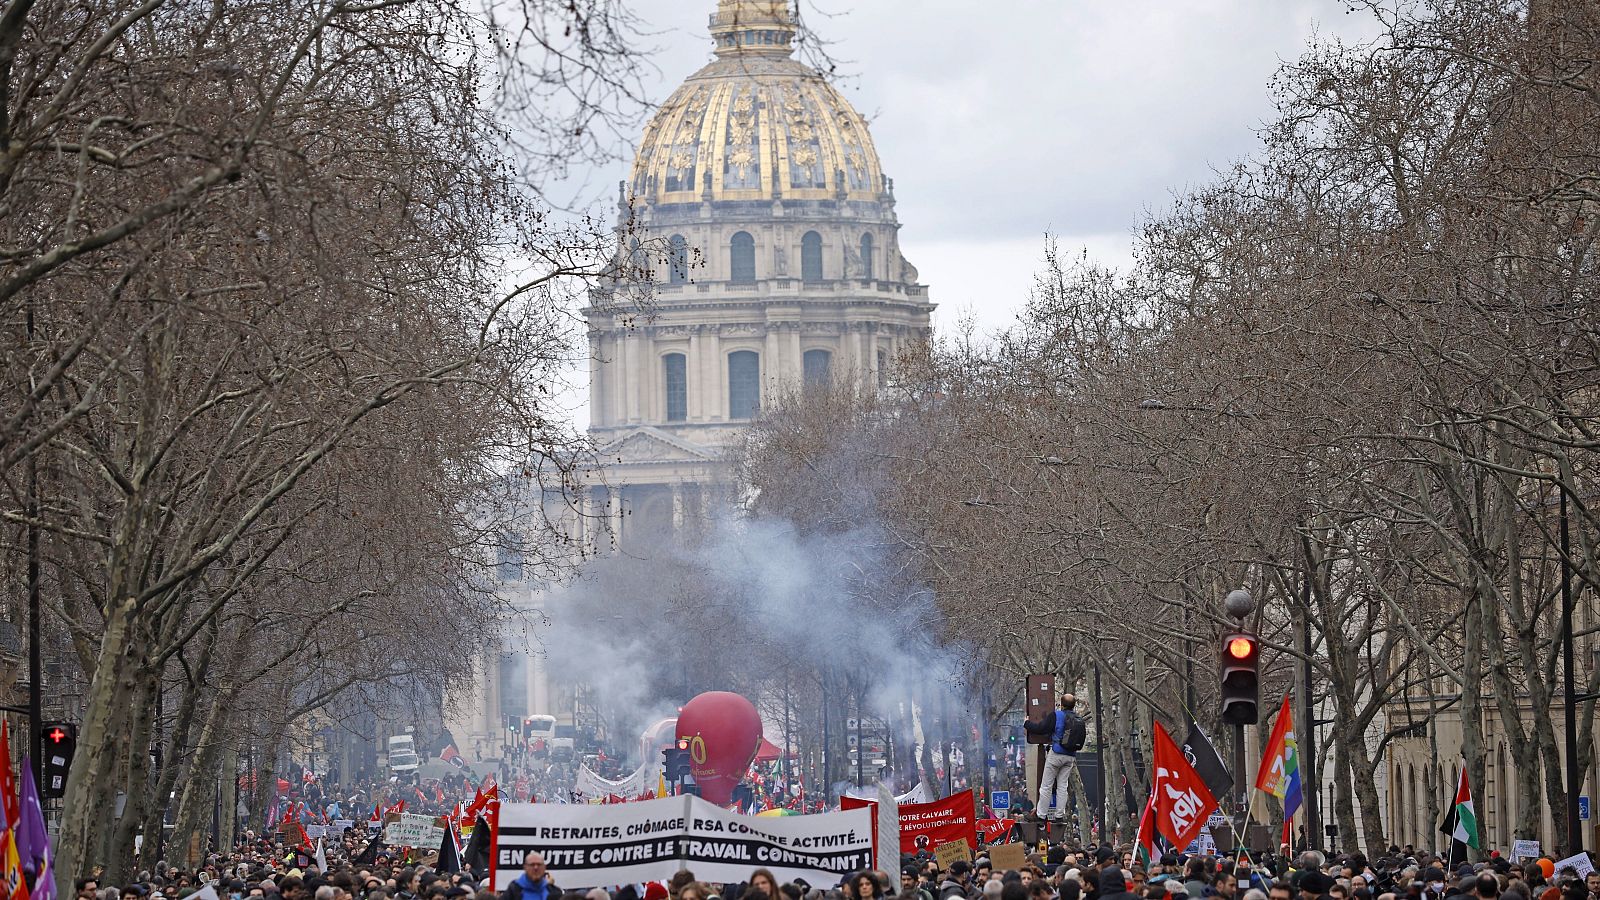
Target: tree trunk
[
  {"x": 93, "y": 783},
  {"x": 140, "y": 797},
  {"x": 230, "y": 797},
  {"x": 199, "y": 789}
]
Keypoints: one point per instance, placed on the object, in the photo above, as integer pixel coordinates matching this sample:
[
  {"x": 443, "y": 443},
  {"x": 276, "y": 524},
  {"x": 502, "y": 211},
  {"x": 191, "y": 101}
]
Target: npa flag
[
  {"x": 1197, "y": 749},
  {"x": 1461, "y": 820},
  {"x": 924, "y": 826},
  {"x": 1280, "y": 764},
  {"x": 1181, "y": 799}
]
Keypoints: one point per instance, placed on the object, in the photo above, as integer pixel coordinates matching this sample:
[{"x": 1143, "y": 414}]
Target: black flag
[
  {"x": 1207, "y": 764},
  {"x": 449, "y": 856},
  {"x": 370, "y": 854}
]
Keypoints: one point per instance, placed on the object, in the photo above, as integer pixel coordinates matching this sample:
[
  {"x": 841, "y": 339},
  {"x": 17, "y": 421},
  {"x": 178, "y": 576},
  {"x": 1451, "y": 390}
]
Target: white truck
[
  {"x": 540, "y": 733},
  {"x": 403, "y": 761}
]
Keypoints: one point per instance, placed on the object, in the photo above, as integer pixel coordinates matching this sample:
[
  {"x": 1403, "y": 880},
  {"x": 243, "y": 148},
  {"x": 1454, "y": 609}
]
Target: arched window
[
  {"x": 814, "y": 367},
  {"x": 744, "y": 384},
  {"x": 677, "y": 260},
  {"x": 866, "y": 255},
  {"x": 811, "y": 257},
  {"x": 883, "y": 367},
  {"x": 742, "y": 258},
  {"x": 675, "y": 374}
]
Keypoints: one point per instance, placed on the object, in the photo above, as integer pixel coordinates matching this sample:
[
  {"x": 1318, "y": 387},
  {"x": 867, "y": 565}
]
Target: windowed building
[{"x": 767, "y": 229}]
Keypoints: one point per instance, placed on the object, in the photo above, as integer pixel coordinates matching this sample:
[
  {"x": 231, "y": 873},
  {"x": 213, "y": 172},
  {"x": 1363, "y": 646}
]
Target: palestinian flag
[
  {"x": 1462, "y": 821},
  {"x": 1145, "y": 839}
]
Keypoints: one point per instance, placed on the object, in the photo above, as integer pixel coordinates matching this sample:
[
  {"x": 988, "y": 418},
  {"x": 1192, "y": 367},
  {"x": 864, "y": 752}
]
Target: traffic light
[
  {"x": 676, "y": 761},
  {"x": 60, "y": 744},
  {"x": 1241, "y": 678},
  {"x": 514, "y": 723}
]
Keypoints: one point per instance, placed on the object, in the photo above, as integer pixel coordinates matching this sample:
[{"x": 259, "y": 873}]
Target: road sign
[
  {"x": 1002, "y": 801},
  {"x": 1583, "y": 807}
]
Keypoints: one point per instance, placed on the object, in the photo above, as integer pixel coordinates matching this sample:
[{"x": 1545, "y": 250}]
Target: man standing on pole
[{"x": 1067, "y": 735}]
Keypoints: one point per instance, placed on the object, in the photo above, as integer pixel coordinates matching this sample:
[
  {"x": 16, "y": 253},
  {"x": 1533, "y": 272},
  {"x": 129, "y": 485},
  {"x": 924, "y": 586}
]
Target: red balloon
[{"x": 723, "y": 731}]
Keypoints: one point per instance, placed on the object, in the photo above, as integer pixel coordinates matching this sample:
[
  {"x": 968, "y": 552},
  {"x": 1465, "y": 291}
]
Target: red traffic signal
[
  {"x": 1241, "y": 678},
  {"x": 1241, "y": 647}
]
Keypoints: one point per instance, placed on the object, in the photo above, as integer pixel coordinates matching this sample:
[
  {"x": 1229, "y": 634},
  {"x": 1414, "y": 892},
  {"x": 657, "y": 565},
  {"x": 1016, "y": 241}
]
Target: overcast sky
[{"x": 1001, "y": 120}]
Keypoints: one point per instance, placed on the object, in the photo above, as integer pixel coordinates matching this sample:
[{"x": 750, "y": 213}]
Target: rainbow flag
[{"x": 1280, "y": 764}]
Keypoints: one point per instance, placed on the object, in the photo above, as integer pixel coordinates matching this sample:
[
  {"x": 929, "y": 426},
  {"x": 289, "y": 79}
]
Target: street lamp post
[{"x": 1569, "y": 697}]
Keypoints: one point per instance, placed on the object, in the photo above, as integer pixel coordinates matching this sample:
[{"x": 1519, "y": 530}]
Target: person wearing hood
[
  {"x": 955, "y": 881},
  {"x": 534, "y": 883},
  {"x": 1114, "y": 885}
]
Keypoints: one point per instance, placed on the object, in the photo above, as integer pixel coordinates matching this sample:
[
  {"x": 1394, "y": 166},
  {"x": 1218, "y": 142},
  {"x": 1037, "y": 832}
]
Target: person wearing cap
[
  {"x": 955, "y": 882},
  {"x": 1314, "y": 885},
  {"x": 1113, "y": 885}
]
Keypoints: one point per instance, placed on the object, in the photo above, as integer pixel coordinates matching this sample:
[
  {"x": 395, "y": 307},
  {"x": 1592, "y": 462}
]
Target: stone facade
[{"x": 758, "y": 219}]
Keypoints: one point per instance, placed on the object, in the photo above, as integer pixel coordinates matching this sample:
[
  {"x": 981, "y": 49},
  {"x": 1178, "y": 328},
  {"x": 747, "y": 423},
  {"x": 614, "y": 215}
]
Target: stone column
[
  {"x": 630, "y": 374},
  {"x": 677, "y": 506},
  {"x": 616, "y": 378},
  {"x": 694, "y": 374},
  {"x": 597, "y": 380},
  {"x": 614, "y": 512},
  {"x": 714, "y": 383},
  {"x": 773, "y": 373}
]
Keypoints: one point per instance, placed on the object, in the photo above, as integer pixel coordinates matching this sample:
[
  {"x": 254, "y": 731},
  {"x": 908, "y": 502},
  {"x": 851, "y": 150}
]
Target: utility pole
[
  {"x": 1100, "y": 750},
  {"x": 1569, "y": 694},
  {"x": 35, "y": 663}
]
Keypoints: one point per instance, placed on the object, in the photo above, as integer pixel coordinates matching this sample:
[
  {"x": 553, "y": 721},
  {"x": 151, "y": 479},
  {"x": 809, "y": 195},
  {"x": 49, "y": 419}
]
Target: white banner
[
  {"x": 624, "y": 843},
  {"x": 590, "y": 786},
  {"x": 918, "y": 794}
]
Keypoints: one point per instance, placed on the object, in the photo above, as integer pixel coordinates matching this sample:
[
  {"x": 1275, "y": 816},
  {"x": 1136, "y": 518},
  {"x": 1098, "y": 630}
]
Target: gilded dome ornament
[{"x": 714, "y": 123}]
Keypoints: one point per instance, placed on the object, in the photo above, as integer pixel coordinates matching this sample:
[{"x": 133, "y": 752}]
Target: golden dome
[{"x": 755, "y": 124}]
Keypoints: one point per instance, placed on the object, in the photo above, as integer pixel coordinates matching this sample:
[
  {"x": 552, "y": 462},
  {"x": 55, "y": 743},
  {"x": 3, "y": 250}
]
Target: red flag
[
  {"x": 1182, "y": 800},
  {"x": 8, "y": 781},
  {"x": 438, "y": 793}
]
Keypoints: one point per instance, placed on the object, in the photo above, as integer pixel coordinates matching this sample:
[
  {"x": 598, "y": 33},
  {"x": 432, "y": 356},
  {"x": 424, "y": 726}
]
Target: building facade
[{"x": 760, "y": 219}]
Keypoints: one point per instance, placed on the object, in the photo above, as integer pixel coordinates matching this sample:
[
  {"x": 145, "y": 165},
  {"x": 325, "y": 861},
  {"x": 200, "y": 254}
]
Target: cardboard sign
[
  {"x": 1006, "y": 857},
  {"x": 951, "y": 852},
  {"x": 1578, "y": 863},
  {"x": 1521, "y": 850}
]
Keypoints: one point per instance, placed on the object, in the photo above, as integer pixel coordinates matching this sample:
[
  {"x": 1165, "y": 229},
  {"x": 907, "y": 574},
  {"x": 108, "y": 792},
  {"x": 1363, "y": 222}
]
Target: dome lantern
[{"x": 753, "y": 27}]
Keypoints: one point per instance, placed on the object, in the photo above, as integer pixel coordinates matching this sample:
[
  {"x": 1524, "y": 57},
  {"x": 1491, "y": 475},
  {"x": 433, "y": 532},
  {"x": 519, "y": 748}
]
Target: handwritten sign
[
  {"x": 1578, "y": 863},
  {"x": 946, "y": 854},
  {"x": 1521, "y": 850},
  {"x": 1006, "y": 857},
  {"x": 413, "y": 831}
]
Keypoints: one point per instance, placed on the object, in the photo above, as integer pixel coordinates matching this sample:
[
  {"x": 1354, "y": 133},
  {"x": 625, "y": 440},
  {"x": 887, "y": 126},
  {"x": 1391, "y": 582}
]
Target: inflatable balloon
[{"x": 723, "y": 732}]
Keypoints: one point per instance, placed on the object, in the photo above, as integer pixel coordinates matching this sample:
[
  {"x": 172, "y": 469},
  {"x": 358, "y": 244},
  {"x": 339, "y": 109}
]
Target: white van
[{"x": 403, "y": 760}]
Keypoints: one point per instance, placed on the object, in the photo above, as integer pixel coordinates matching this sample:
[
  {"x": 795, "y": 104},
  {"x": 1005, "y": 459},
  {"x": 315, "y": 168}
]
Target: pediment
[{"x": 647, "y": 445}]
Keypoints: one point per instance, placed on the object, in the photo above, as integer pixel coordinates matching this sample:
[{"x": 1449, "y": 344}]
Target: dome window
[
  {"x": 742, "y": 258},
  {"x": 744, "y": 384},
  {"x": 677, "y": 259},
  {"x": 866, "y": 256},
  {"x": 675, "y": 373},
  {"x": 814, "y": 367},
  {"x": 811, "y": 257}
]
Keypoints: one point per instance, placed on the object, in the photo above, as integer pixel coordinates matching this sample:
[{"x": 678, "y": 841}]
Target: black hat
[
  {"x": 1314, "y": 882},
  {"x": 1103, "y": 854},
  {"x": 960, "y": 867}
]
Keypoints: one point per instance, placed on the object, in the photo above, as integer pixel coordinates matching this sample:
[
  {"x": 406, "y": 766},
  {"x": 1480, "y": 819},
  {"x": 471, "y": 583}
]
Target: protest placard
[
  {"x": 951, "y": 852},
  {"x": 1521, "y": 850},
  {"x": 1008, "y": 856},
  {"x": 1578, "y": 863},
  {"x": 588, "y": 845},
  {"x": 413, "y": 831}
]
